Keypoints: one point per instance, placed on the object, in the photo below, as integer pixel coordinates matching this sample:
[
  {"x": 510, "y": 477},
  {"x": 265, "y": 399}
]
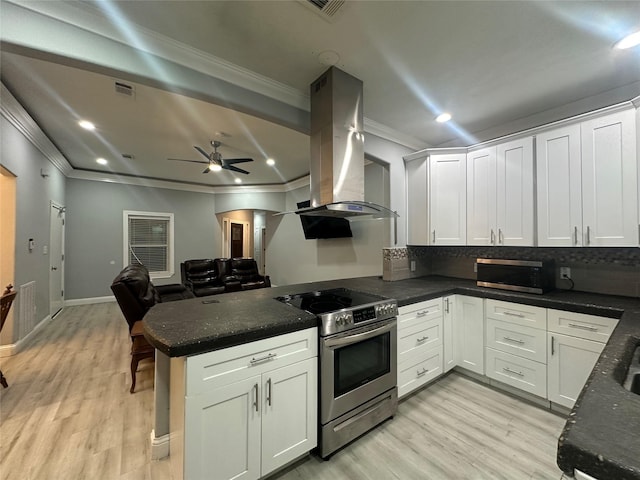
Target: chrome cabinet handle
[
  {"x": 511, "y": 314},
  {"x": 575, "y": 235},
  {"x": 446, "y": 305},
  {"x": 493, "y": 237},
  {"x": 515, "y": 340},
  {"x": 434, "y": 236},
  {"x": 583, "y": 327},
  {"x": 422, "y": 313},
  {"x": 269, "y": 392},
  {"x": 553, "y": 350},
  {"x": 588, "y": 235},
  {"x": 421, "y": 373},
  {"x": 506, "y": 369},
  {"x": 420, "y": 340},
  {"x": 255, "y": 361},
  {"x": 255, "y": 403},
  {"x": 500, "y": 237}
]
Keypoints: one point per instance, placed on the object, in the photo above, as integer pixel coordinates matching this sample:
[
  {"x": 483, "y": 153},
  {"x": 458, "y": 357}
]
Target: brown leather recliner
[
  {"x": 201, "y": 277},
  {"x": 135, "y": 295},
  {"x": 246, "y": 270}
]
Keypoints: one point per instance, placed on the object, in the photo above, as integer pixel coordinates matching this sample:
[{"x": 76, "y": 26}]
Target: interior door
[
  {"x": 56, "y": 259},
  {"x": 237, "y": 239}
]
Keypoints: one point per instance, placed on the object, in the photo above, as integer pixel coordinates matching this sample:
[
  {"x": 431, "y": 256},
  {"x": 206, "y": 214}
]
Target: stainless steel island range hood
[{"x": 337, "y": 149}]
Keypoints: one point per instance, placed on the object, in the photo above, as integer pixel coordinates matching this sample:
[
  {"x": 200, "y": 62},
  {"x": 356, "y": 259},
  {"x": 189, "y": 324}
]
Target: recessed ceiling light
[
  {"x": 238, "y": 180},
  {"x": 87, "y": 125},
  {"x": 215, "y": 168},
  {"x": 101, "y": 161},
  {"x": 629, "y": 41},
  {"x": 271, "y": 162},
  {"x": 443, "y": 117}
]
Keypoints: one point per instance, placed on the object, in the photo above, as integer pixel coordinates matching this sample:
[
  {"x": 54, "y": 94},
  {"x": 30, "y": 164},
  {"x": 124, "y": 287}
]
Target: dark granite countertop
[{"x": 602, "y": 434}]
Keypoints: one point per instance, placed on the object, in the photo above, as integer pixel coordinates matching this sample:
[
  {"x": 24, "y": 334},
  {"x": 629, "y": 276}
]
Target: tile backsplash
[{"x": 613, "y": 271}]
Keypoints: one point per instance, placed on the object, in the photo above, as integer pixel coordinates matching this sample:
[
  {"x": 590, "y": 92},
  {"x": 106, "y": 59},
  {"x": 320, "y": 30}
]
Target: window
[{"x": 148, "y": 239}]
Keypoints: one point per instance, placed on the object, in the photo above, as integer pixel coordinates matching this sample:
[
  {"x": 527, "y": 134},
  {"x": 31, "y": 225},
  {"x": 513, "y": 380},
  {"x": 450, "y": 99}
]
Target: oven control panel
[{"x": 347, "y": 319}]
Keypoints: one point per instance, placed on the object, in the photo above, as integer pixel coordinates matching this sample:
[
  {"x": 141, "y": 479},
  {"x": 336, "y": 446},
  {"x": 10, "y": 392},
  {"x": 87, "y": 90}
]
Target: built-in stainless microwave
[{"x": 529, "y": 276}]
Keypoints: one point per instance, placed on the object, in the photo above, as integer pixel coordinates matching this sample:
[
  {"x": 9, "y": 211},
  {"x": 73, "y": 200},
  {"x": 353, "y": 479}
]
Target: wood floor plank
[{"x": 68, "y": 414}]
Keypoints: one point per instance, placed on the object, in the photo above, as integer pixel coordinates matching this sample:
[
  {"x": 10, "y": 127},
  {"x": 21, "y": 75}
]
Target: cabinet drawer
[
  {"x": 534, "y": 317},
  {"x": 516, "y": 371},
  {"x": 417, "y": 313},
  {"x": 580, "y": 325},
  {"x": 423, "y": 336},
  {"x": 516, "y": 339},
  {"x": 419, "y": 369},
  {"x": 222, "y": 367}
]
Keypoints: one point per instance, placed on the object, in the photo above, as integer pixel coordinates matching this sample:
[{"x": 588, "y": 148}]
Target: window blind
[{"x": 149, "y": 242}]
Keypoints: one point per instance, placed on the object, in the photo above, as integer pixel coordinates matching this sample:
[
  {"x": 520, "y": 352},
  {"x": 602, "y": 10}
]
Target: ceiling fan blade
[
  {"x": 235, "y": 169},
  {"x": 185, "y": 160},
  {"x": 206, "y": 170},
  {"x": 231, "y": 161},
  {"x": 206, "y": 155}
]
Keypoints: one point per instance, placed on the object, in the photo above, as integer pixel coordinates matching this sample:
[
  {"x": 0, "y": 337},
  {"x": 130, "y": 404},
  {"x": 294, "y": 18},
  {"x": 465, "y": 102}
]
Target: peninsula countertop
[{"x": 602, "y": 434}]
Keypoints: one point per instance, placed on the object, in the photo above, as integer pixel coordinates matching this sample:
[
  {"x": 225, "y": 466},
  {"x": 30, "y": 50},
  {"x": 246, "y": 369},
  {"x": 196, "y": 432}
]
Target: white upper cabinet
[
  {"x": 610, "y": 181},
  {"x": 417, "y": 213},
  {"x": 448, "y": 199},
  {"x": 500, "y": 194},
  {"x": 587, "y": 180},
  {"x": 559, "y": 184}
]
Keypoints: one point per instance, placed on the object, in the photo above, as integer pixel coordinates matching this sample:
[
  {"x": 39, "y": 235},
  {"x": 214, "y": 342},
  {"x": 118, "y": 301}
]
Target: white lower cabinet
[
  {"x": 575, "y": 341},
  {"x": 253, "y": 411},
  {"x": 469, "y": 333},
  {"x": 420, "y": 344},
  {"x": 517, "y": 371}
]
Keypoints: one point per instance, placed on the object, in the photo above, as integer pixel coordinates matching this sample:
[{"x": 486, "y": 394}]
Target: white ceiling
[{"x": 497, "y": 67}]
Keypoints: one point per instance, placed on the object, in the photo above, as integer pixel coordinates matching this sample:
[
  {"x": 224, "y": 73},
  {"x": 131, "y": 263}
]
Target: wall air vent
[
  {"x": 124, "y": 89},
  {"x": 327, "y": 9}
]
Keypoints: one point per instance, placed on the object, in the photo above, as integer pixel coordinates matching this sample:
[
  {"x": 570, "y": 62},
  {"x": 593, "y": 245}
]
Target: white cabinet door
[
  {"x": 448, "y": 336},
  {"x": 570, "y": 361},
  {"x": 610, "y": 180},
  {"x": 447, "y": 199},
  {"x": 470, "y": 333},
  {"x": 514, "y": 197},
  {"x": 222, "y": 426},
  {"x": 481, "y": 197},
  {"x": 417, "y": 213},
  {"x": 289, "y": 420},
  {"x": 559, "y": 185}
]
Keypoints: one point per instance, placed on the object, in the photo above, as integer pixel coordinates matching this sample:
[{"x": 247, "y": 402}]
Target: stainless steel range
[{"x": 358, "y": 364}]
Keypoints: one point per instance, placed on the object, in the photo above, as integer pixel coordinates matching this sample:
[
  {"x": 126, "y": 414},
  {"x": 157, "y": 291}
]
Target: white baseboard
[
  {"x": 89, "y": 301},
  {"x": 12, "y": 349},
  {"x": 159, "y": 446}
]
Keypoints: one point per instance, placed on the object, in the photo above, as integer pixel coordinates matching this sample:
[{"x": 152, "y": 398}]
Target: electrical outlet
[
  {"x": 413, "y": 265},
  {"x": 565, "y": 272}
]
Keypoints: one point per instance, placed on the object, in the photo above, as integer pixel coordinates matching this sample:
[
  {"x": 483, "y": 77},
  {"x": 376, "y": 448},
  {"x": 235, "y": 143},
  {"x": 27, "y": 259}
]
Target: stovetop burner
[{"x": 341, "y": 309}]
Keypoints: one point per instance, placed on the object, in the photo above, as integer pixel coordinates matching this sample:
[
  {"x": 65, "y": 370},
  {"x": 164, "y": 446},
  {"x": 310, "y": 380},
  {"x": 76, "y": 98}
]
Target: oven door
[{"x": 356, "y": 366}]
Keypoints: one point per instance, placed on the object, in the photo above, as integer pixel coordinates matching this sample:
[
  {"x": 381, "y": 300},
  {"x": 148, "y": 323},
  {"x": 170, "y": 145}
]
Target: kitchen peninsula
[{"x": 601, "y": 437}]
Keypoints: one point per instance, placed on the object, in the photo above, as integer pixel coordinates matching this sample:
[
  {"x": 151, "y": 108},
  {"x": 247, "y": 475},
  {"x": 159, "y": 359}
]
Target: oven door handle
[{"x": 358, "y": 337}]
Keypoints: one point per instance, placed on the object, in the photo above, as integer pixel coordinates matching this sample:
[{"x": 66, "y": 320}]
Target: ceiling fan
[{"x": 215, "y": 160}]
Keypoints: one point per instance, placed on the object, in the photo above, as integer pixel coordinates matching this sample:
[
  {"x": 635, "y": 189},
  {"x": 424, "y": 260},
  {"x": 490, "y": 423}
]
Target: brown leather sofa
[
  {"x": 208, "y": 276},
  {"x": 136, "y": 294}
]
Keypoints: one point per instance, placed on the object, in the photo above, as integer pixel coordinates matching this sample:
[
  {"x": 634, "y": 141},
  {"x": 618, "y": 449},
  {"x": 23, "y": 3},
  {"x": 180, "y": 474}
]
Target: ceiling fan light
[
  {"x": 629, "y": 41},
  {"x": 215, "y": 168}
]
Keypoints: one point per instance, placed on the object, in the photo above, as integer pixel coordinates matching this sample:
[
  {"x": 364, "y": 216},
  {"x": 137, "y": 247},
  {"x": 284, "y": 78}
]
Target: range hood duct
[{"x": 337, "y": 149}]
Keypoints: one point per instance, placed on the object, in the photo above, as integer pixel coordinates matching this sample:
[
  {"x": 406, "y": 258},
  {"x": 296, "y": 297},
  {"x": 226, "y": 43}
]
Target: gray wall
[
  {"x": 94, "y": 232},
  {"x": 33, "y": 198}
]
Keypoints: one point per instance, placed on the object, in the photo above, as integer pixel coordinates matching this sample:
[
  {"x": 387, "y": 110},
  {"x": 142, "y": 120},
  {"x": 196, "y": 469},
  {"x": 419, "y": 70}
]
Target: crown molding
[
  {"x": 15, "y": 114},
  {"x": 186, "y": 187},
  {"x": 388, "y": 133}
]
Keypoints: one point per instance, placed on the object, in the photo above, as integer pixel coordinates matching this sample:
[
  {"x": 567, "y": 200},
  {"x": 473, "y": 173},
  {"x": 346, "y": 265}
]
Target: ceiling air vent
[
  {"x": 124, "y": 89},
  {"x": 128, "y": 156},
  {"x": 326, "y": 8}
]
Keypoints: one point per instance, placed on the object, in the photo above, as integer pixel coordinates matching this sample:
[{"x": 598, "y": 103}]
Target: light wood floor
[{"x": 68, "y": 414}]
